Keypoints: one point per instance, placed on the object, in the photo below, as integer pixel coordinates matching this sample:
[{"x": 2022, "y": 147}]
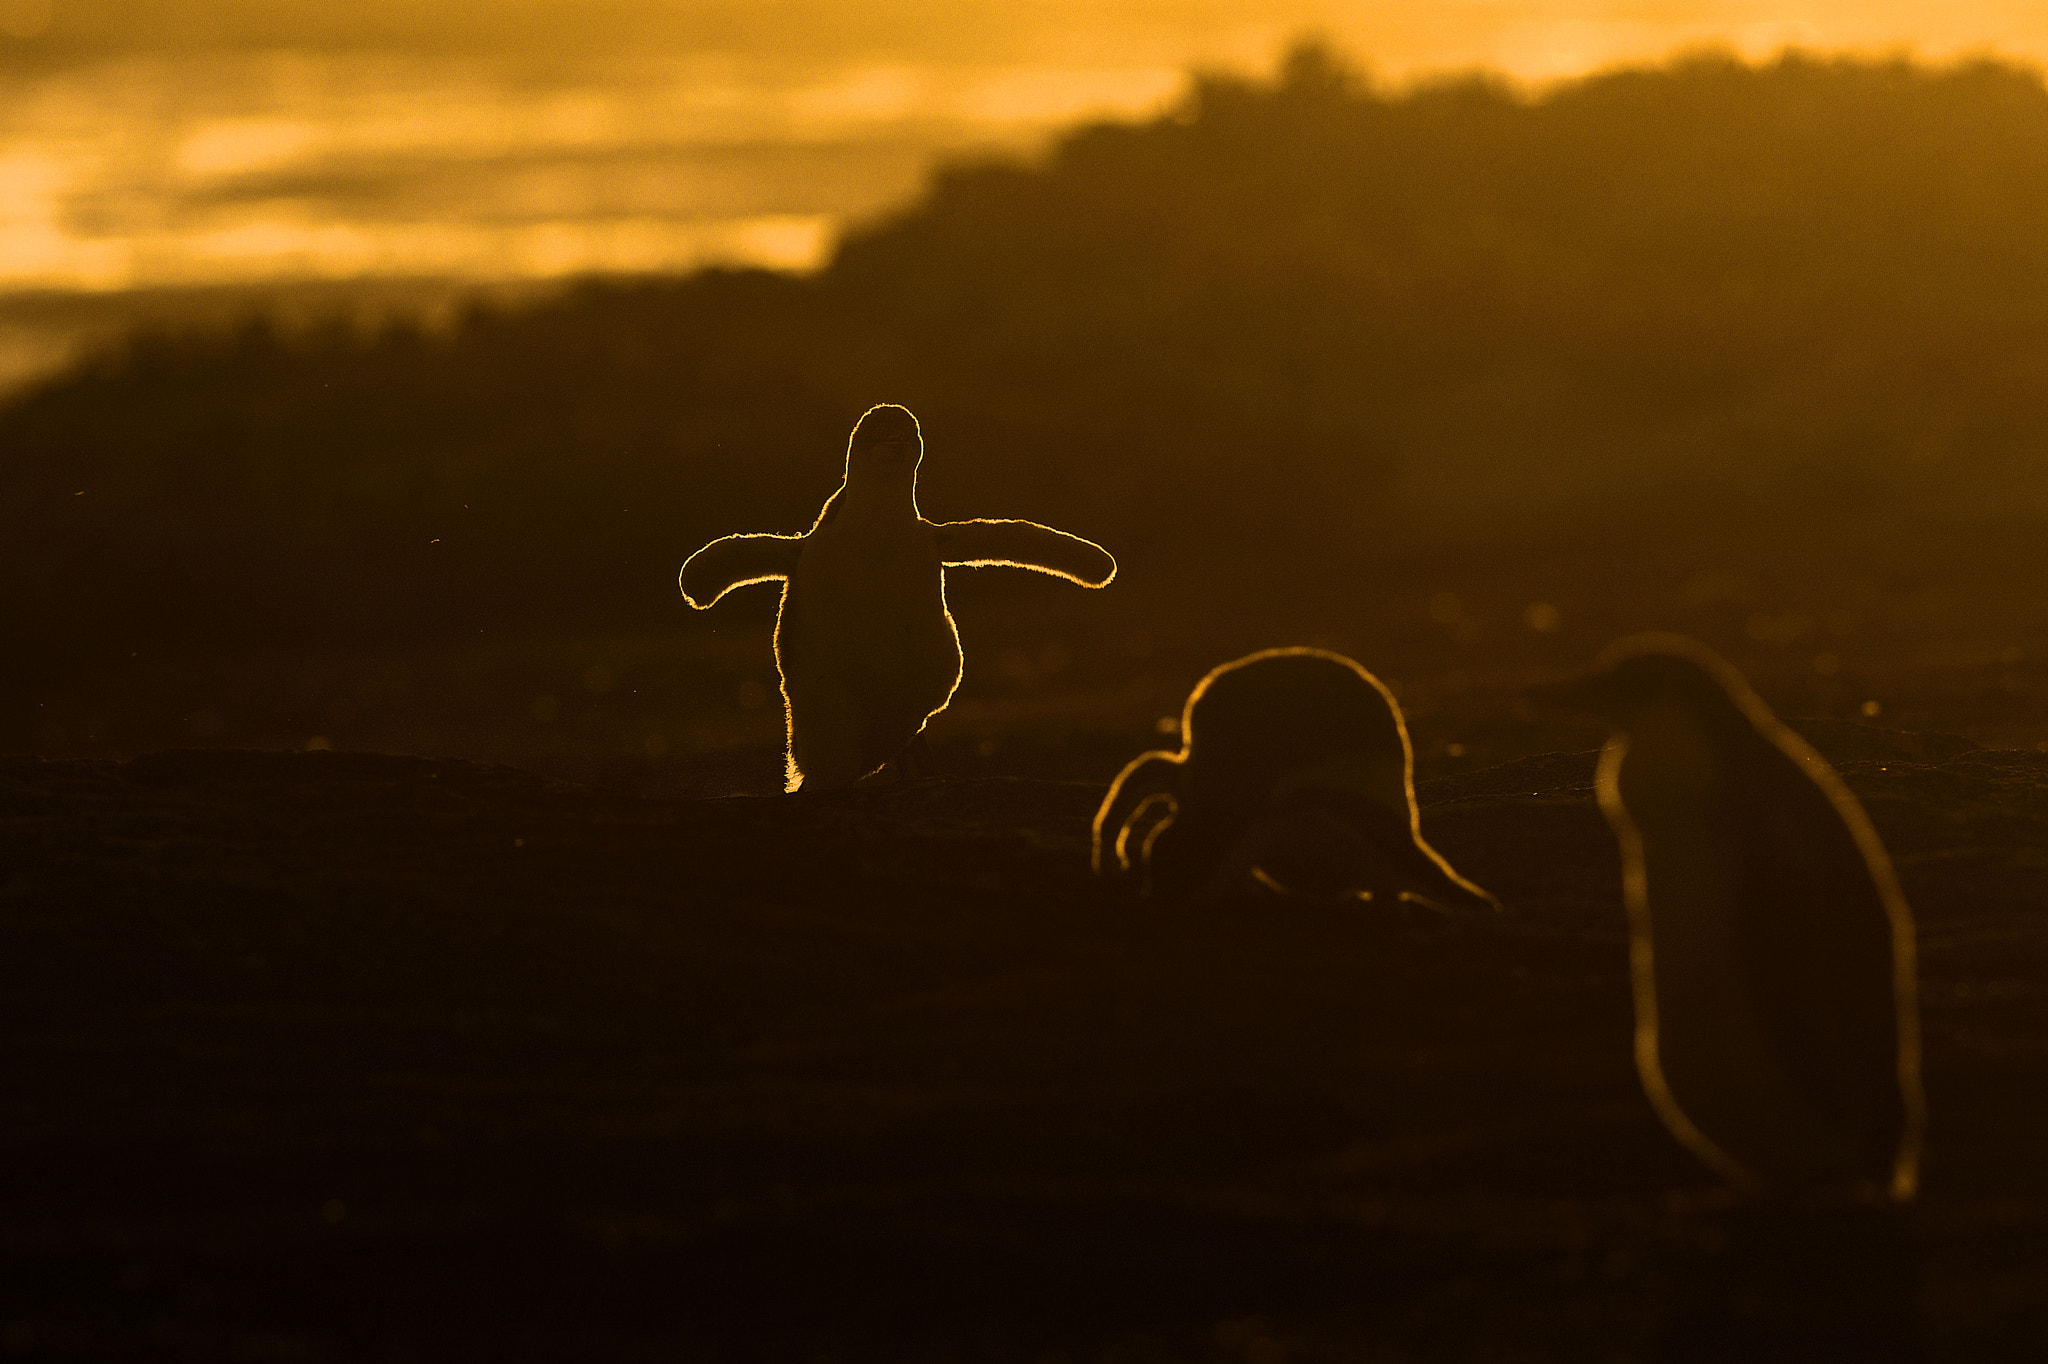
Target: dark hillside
[
  {"x": 332, "y": 486},
  {"x": 1811, "y": 280}
]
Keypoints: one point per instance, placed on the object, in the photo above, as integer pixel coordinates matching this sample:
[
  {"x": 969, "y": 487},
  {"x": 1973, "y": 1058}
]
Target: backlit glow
[{"x": 230, "y": 140}]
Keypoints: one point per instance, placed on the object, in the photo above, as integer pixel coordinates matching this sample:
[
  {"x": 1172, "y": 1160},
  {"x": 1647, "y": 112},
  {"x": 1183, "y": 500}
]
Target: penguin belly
[
  {"x": 867, "y": 650},
  {"x": 1705, "y": 1049}
]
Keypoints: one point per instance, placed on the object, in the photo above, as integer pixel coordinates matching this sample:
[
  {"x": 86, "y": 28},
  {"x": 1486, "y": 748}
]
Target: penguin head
[
  {"x": 886, "y": 444},
  {"x": 1655, "y": 671}
]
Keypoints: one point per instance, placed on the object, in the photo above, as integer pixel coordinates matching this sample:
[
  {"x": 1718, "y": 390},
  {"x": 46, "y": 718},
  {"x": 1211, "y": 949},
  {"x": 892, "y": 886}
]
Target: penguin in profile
[
  {"x": 864, "y": 643},
  {"x": 1772, "y": 956},
  {"x": 1294, "y": 775}
]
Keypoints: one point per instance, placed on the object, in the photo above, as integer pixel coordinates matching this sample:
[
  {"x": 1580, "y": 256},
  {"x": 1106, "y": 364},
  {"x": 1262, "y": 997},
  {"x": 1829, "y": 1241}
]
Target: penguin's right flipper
[
  {"x": 1432, "y": 883},
  {"x": 1147, "y": 780},
  {"x": 1343, "y": 840},
  {"x": 1024, "y": 544},
  {"x": 736, "y": 561}
]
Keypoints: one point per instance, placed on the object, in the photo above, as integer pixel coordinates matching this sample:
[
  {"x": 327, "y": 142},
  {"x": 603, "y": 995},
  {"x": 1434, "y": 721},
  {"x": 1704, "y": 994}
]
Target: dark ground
[
  {"x": 339, "y": 1056},
  {"x": 558, "y": 1048}
]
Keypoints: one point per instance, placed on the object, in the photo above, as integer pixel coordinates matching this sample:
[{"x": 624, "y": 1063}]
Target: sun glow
[{"x": 210, "y": 142}]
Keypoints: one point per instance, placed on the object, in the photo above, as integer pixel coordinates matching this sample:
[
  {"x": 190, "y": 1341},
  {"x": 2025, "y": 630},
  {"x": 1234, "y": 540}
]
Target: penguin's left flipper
[
  {"x": 736, "y": 561},
  {"x": 1024, "y": 544}
]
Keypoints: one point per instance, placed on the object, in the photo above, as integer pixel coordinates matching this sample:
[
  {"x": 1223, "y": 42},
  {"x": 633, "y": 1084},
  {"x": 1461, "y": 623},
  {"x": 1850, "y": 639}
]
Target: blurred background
[{"x": 369, "y": 370}]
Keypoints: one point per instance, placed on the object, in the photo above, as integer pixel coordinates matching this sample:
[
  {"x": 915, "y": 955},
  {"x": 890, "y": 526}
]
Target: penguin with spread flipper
[
  {"x": 1777, "y": 1028},
  {"x": 865, "y": 645},
  {"x": 1294, "y": 778}
]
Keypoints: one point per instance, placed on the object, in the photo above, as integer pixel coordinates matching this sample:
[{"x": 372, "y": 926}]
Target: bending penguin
[
  {"x": 1295, "y": 775},
  {"x": 866, "y": 648},
  {"x": 1777, "y": 1023}
]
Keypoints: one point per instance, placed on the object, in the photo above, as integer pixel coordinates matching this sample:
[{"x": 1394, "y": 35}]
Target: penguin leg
[
  {"x": 883, "y": 748},
  {"x": 825, "y": 738},
  {"x": 914, "y": 761}
]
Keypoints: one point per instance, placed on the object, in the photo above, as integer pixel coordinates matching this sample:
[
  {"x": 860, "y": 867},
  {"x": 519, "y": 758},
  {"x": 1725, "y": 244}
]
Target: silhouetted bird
[
  {"x": 866, "y": 648},
  {"x": 1777, "y": 1026},
  {"x": 1295, "y": 775}
]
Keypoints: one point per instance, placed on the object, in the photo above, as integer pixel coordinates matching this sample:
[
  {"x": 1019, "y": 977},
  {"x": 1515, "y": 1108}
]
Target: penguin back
[{"x": 1283, "y": 711}]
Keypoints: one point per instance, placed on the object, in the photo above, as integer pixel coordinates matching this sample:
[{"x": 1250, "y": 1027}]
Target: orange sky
[{"x": 195, "y": 141}]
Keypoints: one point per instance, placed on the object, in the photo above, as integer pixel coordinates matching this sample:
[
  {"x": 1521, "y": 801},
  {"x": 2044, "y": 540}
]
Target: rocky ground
[{"x": 323, "y": 1056}]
